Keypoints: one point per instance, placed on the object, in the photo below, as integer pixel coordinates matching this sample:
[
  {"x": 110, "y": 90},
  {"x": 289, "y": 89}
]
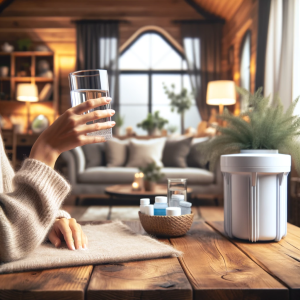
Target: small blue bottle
[{"x": 160, "y": 205}]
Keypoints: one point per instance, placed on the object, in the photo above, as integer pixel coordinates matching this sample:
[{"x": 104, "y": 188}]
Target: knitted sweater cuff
[
  {"x": 48, "y": 181},
  {"x": 62, "y": 214}
]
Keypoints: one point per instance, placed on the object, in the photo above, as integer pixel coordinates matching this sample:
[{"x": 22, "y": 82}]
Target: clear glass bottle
[{"x": 177, "y": 191}]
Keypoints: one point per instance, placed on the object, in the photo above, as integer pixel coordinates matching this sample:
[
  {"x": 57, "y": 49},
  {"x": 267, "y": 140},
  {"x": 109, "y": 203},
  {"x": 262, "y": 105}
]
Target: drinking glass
[
  {"x": 91, "y": 84},
  {"x": 177, "y": 191}
]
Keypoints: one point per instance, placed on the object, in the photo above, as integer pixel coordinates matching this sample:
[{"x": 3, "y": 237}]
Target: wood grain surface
[
  {"x": 219, "y": 270},
  {"x": 62, "y": 284},
  {"x": 280, "y": 259},
  {"x": 156, "y": 279},
  {"x": 211, "y": 213}
]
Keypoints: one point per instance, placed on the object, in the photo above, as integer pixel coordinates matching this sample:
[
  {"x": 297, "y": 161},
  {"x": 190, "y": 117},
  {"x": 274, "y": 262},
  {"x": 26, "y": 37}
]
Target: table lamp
[
  {"x": 27, "y": 92},
  {"x": 221, "y": 92}
]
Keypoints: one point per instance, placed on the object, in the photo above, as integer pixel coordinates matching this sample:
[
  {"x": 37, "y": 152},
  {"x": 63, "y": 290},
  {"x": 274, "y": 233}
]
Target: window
[
  {"x": 245, "y": 66},
  {"x": 144, "y": 66}
]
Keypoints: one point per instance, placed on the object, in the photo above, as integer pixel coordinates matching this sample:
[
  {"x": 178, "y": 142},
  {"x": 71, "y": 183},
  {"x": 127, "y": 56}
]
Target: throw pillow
[
  {"x": 142, "y": 153},
  {"x": 93, "y": 155},
  {"x": 116, "y": 152},
  {"x": 176, "y": 151},
  {"x": 193, "y": 159}
]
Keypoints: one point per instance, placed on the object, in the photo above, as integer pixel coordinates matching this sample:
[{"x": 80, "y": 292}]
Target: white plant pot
[{"x": 255, "y": 194}]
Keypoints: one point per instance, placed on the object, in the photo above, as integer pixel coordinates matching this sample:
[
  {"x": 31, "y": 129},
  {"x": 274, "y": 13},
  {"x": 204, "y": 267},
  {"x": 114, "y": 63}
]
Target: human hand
[
  {"x": 70, "y": 129},
  {"x": 68, "y": 230}
]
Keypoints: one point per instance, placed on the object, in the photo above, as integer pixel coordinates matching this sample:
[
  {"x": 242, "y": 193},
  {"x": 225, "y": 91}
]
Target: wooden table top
[
  {"x": 212, "y": 267},
  {"x": 126, "y": 190}
]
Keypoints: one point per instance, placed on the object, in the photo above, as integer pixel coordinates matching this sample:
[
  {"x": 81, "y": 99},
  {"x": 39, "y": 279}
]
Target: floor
[{"x": 102, "y": 213}]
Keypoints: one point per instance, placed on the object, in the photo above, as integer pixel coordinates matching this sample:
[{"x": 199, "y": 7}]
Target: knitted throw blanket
[{"x": 108, "y": 243}]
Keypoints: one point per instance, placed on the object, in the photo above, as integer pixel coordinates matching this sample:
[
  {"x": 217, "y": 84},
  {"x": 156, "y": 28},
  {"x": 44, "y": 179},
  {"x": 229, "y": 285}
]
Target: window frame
[{"x": 152, "y": 72}]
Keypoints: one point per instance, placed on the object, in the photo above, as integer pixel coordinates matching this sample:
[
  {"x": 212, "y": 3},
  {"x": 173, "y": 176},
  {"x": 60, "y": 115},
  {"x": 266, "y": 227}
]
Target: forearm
[{"x": 27, "y": 214}]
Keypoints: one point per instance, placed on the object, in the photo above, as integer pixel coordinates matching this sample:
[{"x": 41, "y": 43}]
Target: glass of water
[
  {"x": 91, "y": 84},
  {"x": 177, "y": 191}
]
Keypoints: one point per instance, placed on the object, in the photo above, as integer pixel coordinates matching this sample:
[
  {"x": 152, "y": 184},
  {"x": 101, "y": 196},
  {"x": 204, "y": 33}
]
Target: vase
[
  {"x": 255, "y": 194},
  {"x": 117, "y": 131},
  {"x": 4, "y": 71},
  {"x": 149, "y": 185}
]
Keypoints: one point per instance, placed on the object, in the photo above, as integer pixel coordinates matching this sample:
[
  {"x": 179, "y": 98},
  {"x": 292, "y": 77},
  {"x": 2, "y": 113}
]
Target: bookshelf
[{"x": 23, "y": 68}]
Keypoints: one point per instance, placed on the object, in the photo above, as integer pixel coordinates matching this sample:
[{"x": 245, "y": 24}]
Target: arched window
[
  {"x": 245, "y": 57},
  {"x": 145, "y": 65}
]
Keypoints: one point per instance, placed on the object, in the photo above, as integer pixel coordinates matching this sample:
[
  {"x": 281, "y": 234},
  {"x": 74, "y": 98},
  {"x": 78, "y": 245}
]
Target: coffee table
[{"x": 125, "y": 190}]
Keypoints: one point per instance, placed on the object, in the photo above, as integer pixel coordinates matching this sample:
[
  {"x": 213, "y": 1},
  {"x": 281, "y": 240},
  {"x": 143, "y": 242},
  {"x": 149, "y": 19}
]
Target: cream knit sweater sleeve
[{"x": 29, "y": 204}]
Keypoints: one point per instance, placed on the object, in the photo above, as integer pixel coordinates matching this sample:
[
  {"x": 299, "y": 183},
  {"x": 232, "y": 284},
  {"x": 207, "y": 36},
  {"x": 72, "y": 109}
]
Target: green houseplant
[
  {"x": 152, "y": 175},
  {"x": 180, "y": 102},
  {"x": 119, "y": 123},
  {"x": 153, "y": 122},
  {"x": 263, "y": 125}
]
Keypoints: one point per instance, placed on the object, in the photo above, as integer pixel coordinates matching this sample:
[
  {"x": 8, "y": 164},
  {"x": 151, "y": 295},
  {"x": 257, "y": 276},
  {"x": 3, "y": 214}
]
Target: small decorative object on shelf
[
  {"x": 4, "y": 70},
  {"x": 255, "y": 180},
  {"x": 24, "y": 44},
  {"x": 151, "y": 176},
  {"x": 6, "y": 47},
  {"x": 44, "y": 69}
]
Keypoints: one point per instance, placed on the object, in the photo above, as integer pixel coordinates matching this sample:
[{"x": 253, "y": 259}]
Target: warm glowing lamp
[
  {"x": 221, "y": 92},
  {"x": 27, "y": 92}
]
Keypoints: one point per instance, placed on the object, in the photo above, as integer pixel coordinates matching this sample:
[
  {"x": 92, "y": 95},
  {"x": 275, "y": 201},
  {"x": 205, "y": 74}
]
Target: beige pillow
[
  {"x": 144, "y": 152},
  {"x": 116, "y": 152}
]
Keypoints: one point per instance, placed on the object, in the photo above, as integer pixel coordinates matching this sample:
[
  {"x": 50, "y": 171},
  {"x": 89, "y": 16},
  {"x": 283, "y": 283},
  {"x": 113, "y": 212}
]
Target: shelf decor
[{"x": 255, "y": 180}]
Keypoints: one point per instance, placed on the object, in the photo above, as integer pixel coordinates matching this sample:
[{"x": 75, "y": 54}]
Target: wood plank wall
[
  {"x": 245, "y": 18},
  {"x": 51, "y": 22}
]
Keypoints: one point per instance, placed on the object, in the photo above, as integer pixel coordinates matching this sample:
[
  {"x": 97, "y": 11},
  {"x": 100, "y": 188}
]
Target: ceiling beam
[
  {"x": 207, "y": 15},
  {"x": 4, "y": 4}
]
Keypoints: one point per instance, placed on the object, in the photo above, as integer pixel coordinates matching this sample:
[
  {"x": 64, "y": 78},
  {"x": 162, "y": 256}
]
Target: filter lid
[{"x": 268, "y": 161}]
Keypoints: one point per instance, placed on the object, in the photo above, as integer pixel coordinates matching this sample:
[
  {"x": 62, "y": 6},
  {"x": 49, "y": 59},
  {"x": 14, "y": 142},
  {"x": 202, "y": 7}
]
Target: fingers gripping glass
[{"x": 91, "y": 84}]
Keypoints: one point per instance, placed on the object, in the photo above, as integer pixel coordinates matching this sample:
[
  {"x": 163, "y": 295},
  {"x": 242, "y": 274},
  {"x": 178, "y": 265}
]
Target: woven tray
[{"x": 166, "y": 226}]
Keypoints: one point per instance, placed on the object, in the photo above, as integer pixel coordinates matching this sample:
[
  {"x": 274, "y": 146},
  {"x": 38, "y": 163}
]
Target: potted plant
[
  {"x": 255, "y": 180},
  {"x": 119, "y": 123},
  {"x": 152, "y": 175},
  {"x": 180, "y": 102},
  {"x": 152, "y": 123}
]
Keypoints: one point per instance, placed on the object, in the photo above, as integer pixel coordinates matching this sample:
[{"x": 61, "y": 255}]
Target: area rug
[{"x": 108, "y": 243}]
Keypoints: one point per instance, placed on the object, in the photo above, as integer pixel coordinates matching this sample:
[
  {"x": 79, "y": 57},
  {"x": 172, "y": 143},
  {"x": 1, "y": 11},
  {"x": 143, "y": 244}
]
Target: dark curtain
[
  {"x": 98, "y": 48},
  {"x": 202, "y": 45},
  {"x": 263, "y": 24}
]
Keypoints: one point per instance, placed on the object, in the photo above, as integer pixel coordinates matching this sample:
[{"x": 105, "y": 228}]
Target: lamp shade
[
  {"x": 221, "y": 92},
  {"x": 27, "y": 92}
]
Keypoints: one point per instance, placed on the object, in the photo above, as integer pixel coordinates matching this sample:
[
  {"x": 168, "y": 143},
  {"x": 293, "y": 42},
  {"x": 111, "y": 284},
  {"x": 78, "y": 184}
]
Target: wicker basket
[{"x": 166, "y": 226}]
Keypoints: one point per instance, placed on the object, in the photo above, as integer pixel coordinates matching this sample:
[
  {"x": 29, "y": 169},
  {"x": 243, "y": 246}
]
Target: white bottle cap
[
  {"x": 173, "y": 211},
  {"x": 161, "y": 199},
  {"x": 145, "y": 201},
  {"x": 149, "y": 210},
  {"x": 177, "y": 196},
  {"x": 185, "y": 204}
]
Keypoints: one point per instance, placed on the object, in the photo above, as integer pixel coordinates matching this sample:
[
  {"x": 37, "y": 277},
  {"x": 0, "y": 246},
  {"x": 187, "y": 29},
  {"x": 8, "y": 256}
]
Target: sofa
[{"x": 89, "y": 173}]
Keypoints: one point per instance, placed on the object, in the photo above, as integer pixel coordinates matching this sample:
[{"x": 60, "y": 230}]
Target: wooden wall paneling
[
  {"x": 53, "y": 24},
  {"x": 66, "y": 65},
  {"x": 245, "y": 18}
]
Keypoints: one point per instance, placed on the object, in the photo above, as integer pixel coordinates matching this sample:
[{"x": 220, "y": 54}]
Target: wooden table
[{"x": 212, "y": 267}]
